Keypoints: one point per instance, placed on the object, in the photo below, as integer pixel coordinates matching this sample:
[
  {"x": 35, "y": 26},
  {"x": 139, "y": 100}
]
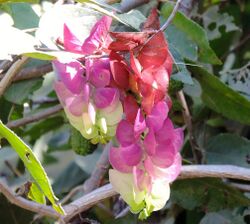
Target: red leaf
[
  {"x": 119, "y": 70},
  {"x": 152, "y": 22},
  {"x": 125, "y": 41},
  {"x": 155, "y": 52}
]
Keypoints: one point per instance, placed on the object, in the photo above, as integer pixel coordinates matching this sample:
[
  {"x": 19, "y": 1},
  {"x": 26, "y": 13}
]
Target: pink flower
[{"x": 97, "y": 41}]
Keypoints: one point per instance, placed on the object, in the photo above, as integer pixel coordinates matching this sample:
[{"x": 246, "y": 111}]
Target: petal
[
  {"x": 140, "y": 124},
  {"x": 62, "y": 92},
  {"x": 164, "y": 155},
  {"x": 119, "y": 70},
  {"x": 112, "y": 115},
  {"x": 98, "y": 36},
  {"x": 117, "y": 161},
  {"x": 159, "y": 195},
  {"x": 168, "y": 174},
  {"x": 165, "y": 134},
  {"x": 75, "y": 105},
  {"x": 71, "y": 42},
  {"x": 125, "y": 133},
  {"x": 123, "y": 184},
  {"x": 71, "y": 74},
  {"x": 98, "y": 72},
  {"x": 105, "y": 97},
  {"x": 132, "y": 154},
  {"x": 158, "y": 115},
  {"x": 130, "y": 108},
  {"x": 150, "y": 143},
  {"x": 141, "y": 179}
]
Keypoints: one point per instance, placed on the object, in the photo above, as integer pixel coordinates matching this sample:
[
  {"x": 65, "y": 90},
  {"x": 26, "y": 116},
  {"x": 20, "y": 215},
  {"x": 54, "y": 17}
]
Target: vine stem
[
  {"x": 87, "y": 201},
  {"x": 11, "y": 73},
  {"x": 35, "y": 117}
]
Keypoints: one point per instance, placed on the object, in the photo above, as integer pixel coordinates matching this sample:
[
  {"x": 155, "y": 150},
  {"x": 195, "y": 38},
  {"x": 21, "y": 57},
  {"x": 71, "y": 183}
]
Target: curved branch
[
  {"x": 35, "y": 117},
  {"x": 26, "y": 204},
  {"x": 11, "y": 73},
  {"x": 87, "y": 201}
]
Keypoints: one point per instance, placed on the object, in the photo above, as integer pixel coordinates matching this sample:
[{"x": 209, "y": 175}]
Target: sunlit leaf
[
  {"x": 220, "y": 97},
  {"x": 32, "y": 164},
  {"x": 194, "y": 32}
]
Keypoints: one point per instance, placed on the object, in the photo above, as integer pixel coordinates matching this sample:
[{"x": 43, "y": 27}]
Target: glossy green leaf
[
  {"x": 23, "y": 15},
  {"x": 36, "y": 194},
  {"x": 18, "y": 92},
  {"x": 220, "y": 97},
  {"x": 228, "y": 149},
  {"x": 32, "y": 164},
  {"x": 11, "y": 1},
  {"x": 182, "y": 73},
  {"x": 209, "y": 193},
  {"x": 194, "y": 32},
  {"x": 222, "y": 217}
]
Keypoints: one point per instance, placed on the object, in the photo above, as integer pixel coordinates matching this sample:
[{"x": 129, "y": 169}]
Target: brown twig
[
  {"x": 33, "y": 72},
  {"x": 166, "y": 24},
  {"x": 26, "y": 204},
  {"x": 171, "y": 17},
  {"x": 11, "y": 73},
  {"x": 188, "y": 121},
  {"x": 100, "y": 170},
  {"x": 35, "y": 117}
]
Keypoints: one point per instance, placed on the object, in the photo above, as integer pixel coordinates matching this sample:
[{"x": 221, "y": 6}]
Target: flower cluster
[
  {"x": 84, "y": 85},
  {"x": 118, "y": 87}
]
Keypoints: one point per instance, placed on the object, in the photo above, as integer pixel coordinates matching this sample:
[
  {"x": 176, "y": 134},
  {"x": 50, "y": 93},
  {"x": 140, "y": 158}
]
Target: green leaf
[
  {"x": 220, "y": 97},
  {"x": 81, "y": 145},
  {"x": 32, "y": 164},
  {"x": 134, "y": 18},
  {"x": 93, "y": 5},
  {"x": 228, "y": 149},
  {"x": 178, "y": 40},
  {"x": 18, "y": 92},
  {"x": 36, "y": 194},
  {"x": 210, "y": 193},
  {"x": 194, "y": 32},
  {"x": 23, "y": 15},
  {"x": 222, "y": 217},
  {"x": 10, "y": 1},
  {"x": 182, "y": 74}
]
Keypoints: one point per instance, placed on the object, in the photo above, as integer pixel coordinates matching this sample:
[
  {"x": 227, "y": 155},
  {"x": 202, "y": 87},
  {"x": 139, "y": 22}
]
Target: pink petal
[
  {"x": 75, "y": 105},
  {"x": 98, "y": 36},
  {"x": 105, "y": 97},
  {"x": 98, "y": 72},
  {"x": 169, "y": 174},
  {"x": 174, "y": 170},
  {"x": 179, "y": 138},
  {"x": 71, "y": 42},
  {"x": 71, "y": 74},
  {"x": 141, "y": 179},
  {"x": 132, "y": 154},
  {"x": 150, "y": 143},
  {"x": 140, "y": 124},
  {"x": 165, "y": 134},
  {"x": 158, "y": 115},
  {"x": 62, "y": 92},
  {"x": 125, "y": 133},
  {"x": 117, "y": 162},
  {"x": 164, "y": 155}
]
